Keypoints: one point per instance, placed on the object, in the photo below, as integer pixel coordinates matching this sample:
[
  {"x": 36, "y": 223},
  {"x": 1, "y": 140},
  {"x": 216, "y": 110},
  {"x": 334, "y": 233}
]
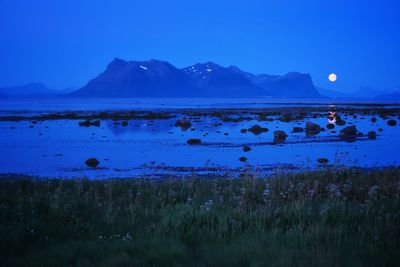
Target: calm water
[
  {"x": 59, "y": 148},
  {"x": 31, "y": 106}
]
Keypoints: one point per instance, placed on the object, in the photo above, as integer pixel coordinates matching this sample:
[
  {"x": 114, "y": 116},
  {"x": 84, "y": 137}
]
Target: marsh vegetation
[{"x": 345, "y": 217}]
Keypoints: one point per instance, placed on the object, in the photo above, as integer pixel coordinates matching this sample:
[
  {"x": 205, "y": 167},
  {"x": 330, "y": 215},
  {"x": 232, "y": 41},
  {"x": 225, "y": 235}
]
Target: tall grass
[{"x": 329, "y": 218}]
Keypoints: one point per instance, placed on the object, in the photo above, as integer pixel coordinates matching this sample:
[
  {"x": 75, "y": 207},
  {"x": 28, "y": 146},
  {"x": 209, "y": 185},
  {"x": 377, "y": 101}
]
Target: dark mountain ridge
[
  {"x": 155, "y": 78},
  {"x": 136, "y": 79}
]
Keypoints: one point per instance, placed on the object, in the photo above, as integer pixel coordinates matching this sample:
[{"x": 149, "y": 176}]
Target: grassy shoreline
[{"x": 327, "y": 218}]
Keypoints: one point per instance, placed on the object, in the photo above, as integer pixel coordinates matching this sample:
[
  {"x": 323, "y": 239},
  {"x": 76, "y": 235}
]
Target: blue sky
[{"x": 65, "y": 43}]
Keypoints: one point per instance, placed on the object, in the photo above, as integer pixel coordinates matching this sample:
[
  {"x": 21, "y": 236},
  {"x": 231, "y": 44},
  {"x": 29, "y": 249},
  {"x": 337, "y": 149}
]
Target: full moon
[{"x": 332, "y": 77}]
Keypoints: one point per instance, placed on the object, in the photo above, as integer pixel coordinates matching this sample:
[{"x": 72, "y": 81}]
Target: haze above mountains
[{"x": 155, "y": 78}]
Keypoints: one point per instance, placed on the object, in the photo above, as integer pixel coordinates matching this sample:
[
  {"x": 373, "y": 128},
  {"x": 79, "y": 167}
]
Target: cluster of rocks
[
  {"x": 291, "y": 117},
  {"x": 347, "y": 133},
  {"x": 88, "y": 123}
]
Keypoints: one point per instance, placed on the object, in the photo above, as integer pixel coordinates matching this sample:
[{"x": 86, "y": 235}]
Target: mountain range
[{"x": 155, "y": 78}]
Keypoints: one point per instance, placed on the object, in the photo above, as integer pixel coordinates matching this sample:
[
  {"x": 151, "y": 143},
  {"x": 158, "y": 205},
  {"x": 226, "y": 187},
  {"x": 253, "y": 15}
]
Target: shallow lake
[{"x": 58, "y": 147}]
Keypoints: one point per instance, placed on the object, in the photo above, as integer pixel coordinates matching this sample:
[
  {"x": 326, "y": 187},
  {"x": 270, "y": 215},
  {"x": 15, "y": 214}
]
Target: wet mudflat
[{"x": 199, "y": 140}]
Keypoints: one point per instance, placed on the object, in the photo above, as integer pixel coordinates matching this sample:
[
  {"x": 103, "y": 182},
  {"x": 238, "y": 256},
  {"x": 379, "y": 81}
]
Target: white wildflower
[
  {"x": 373, "y": 192},
  {"x": 333, "y": 191}
]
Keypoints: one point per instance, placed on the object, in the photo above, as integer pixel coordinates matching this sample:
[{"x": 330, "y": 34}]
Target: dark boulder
[
  {"x": 339, "y": 121},
  {"x": 392, "y": 122},
  {"x": 349, "y": 132},
  {"x": 183, "y": 123},
  {"x": 193, "y": 141},
  {"x": 323, "y": 160},
  {"x": 257, "y": 129},
  {"x": 286, "y": 118},
  {"x": 312, "y": 128},
  {"x": 92, "y": 162},
  {"x": 246, "y": 148},
  {"x": 330, "y": 126},
  {"x": 124, "y": 123},
  {"x": 279, "y": 136},
  {"x": 243, "y": 159},
  {"x": 372, "y": 135},
  {"x": 297, "y": 130}
]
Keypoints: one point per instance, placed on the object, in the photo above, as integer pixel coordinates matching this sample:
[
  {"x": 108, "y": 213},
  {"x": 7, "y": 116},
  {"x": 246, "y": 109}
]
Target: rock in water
[
  {"x": 298, "y": 130},
  {"x": 183, "y": 123},
  {"x": 339, "y": 121},
  {"x": 392, "y": 122},
  {"x": 194, "y": 141},
  {"x": 243, "y": 159},
  {"x": 372, "y": 135},
  {"x": 312, "y": 128},
  {"x": 257, "y": 129},
  {"x": 88, "y": 123},
  {"x": 323, "y": 160},
  {"x": 92, "y": 162},
  {"x": 349, "y": 132},
  {"x": 330, "y": 126},
  {"x": 246, "y": 148},
  {"x": 279, "y": 136}
]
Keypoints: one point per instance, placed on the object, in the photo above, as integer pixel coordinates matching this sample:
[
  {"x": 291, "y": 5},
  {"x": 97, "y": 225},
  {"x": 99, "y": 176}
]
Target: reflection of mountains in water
[{"x": 138, "y": 126}]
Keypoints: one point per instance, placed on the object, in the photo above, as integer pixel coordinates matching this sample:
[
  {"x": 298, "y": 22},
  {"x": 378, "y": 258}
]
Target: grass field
[{"x": 328, "y": 218}]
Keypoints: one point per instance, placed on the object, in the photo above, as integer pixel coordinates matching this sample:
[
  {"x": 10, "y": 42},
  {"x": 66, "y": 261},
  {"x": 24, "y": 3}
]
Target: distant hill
[
  {"x": 393, "y": 96},
  {"x": 366, "y": 92},
  {"x": 390, "y": 94},
  {"x": 29, "y": 89},
  {"x": 362, "y": 92},
  {"x": 333, "y": 94},
  {"x": 157, "y": 78},
  {"x": 32, "y": 90},
  {"x": 293, "y": 84}
]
